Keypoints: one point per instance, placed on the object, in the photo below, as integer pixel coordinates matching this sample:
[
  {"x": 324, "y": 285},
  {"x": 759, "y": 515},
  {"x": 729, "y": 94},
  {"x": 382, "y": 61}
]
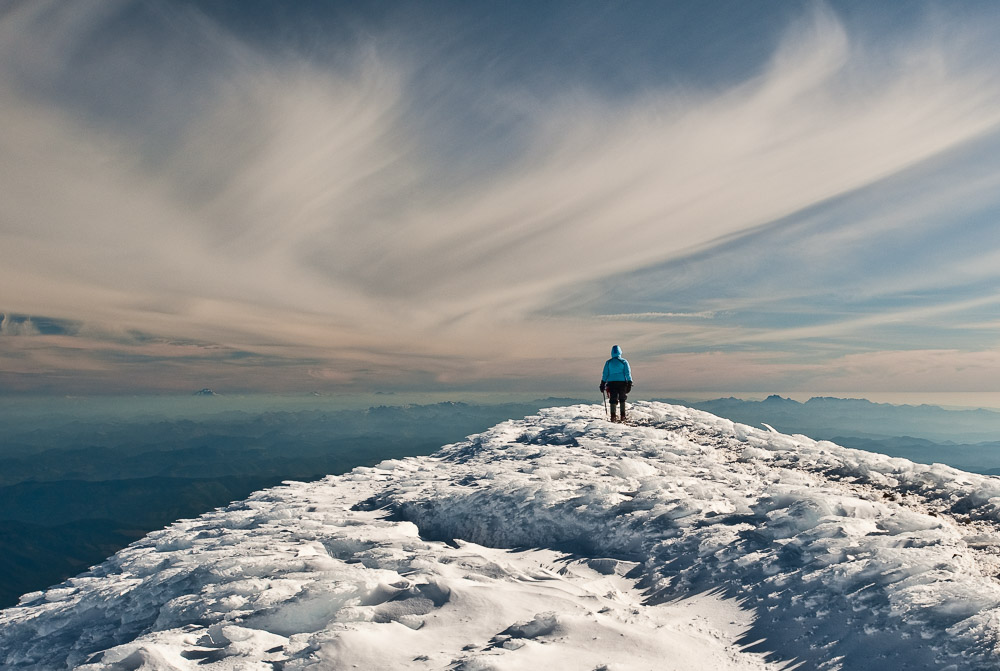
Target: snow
[{"x": 559, "y": 541}]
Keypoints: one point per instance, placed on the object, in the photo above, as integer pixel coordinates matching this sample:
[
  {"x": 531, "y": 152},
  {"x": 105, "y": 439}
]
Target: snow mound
[{"x": 683, "y": 541}]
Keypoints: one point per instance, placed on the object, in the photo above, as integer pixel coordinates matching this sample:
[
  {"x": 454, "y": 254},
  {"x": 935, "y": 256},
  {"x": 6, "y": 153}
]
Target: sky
[{"x": 324, "y": 196}]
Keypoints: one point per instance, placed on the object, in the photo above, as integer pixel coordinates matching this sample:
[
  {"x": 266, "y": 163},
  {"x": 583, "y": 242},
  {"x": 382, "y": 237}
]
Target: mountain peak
[
  {"x": 775, "y": 398},
  {"x": 776, "y": 548}
]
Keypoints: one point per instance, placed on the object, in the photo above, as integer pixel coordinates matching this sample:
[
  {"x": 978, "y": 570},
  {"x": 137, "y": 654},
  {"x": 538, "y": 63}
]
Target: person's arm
[{"x": 604, "y": 375}]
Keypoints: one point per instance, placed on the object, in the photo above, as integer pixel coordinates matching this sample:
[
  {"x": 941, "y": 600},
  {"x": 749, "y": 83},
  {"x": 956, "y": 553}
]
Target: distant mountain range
[
  {"x": 825, "y": 417},
  {"x": 966, "y": 439}
]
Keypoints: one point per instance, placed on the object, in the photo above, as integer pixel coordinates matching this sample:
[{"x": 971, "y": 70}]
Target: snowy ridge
[{"x": 684, "y": 542}]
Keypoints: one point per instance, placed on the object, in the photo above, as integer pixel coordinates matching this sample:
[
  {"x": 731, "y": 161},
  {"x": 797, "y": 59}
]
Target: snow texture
[{"x": 560, "y": 541}]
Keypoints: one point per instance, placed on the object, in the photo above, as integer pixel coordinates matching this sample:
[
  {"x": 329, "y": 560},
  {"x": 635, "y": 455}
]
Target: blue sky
[{"x": 327, "y": 196}]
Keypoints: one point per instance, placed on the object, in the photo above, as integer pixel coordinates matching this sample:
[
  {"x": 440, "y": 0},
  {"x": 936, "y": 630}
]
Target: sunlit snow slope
[{"x": 685, "y": 542}]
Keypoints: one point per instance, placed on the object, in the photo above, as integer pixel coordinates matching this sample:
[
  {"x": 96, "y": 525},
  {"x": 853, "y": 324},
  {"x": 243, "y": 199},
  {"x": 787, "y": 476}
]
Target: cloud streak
[{"x": 298, "y": 207}]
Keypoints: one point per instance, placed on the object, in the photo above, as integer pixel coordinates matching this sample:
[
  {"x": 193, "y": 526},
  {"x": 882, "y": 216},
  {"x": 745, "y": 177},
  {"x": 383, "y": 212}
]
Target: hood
[{"x": 616, "y": 351}]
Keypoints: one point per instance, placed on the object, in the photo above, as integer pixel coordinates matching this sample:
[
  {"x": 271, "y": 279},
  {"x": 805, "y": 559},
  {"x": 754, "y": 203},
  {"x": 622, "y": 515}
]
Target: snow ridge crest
[{"x": 529, "y": 542}]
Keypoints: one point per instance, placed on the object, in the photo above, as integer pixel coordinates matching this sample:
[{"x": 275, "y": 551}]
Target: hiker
[{"x": 617, "y": 381}]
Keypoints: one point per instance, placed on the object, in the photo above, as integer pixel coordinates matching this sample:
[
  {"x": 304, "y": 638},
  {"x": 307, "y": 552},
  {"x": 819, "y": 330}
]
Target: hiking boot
[{"x": 614, "y": 418}]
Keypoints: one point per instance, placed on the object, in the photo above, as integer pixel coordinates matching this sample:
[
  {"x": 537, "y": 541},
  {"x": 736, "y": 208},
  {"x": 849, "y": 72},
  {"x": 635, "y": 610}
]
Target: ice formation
[{"x": 558, "y": 541}]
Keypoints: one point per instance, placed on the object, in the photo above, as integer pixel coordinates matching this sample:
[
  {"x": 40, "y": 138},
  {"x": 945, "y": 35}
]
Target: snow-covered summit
[{"x": 558, "y": 541}]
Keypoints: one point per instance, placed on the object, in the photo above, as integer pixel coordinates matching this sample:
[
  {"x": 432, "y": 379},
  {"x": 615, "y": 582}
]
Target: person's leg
[
  {"x": 621, "y": 395},
  {"x": 613, "y": 392}
]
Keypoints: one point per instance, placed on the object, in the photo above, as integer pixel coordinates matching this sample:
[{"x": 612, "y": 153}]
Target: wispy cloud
[
  {"x": 656, "y": 316},
  {"x": 299, "y": 207},
  {"x": 13, "y": 326}
]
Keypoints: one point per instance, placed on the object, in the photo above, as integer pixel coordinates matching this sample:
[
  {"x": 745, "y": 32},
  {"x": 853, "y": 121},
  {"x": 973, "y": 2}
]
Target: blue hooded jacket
[{"x": 616, "y": 368}]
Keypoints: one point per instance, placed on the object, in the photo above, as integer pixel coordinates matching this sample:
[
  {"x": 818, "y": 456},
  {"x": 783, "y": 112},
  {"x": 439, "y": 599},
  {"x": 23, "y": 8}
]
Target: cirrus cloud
[{"x": 301, "y": 209}]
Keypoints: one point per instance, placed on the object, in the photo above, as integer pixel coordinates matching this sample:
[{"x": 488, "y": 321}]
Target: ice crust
[{"x": 684, "y": 541}]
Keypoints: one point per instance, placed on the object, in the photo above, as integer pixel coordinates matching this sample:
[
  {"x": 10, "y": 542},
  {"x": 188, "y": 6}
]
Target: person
[{"x": 617, "y": 381}]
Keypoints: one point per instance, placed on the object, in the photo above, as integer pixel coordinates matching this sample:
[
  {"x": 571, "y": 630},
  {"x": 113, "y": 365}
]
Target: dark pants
[{"x": 616, "y": 390}]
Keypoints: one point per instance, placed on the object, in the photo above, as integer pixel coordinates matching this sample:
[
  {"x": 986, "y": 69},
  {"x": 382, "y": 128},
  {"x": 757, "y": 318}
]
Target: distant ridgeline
[{"x": 966, "y": 439}]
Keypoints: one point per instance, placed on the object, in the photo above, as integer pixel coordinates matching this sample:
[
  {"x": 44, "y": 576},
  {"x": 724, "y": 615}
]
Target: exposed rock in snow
[{"x": 558, "y": 541}]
